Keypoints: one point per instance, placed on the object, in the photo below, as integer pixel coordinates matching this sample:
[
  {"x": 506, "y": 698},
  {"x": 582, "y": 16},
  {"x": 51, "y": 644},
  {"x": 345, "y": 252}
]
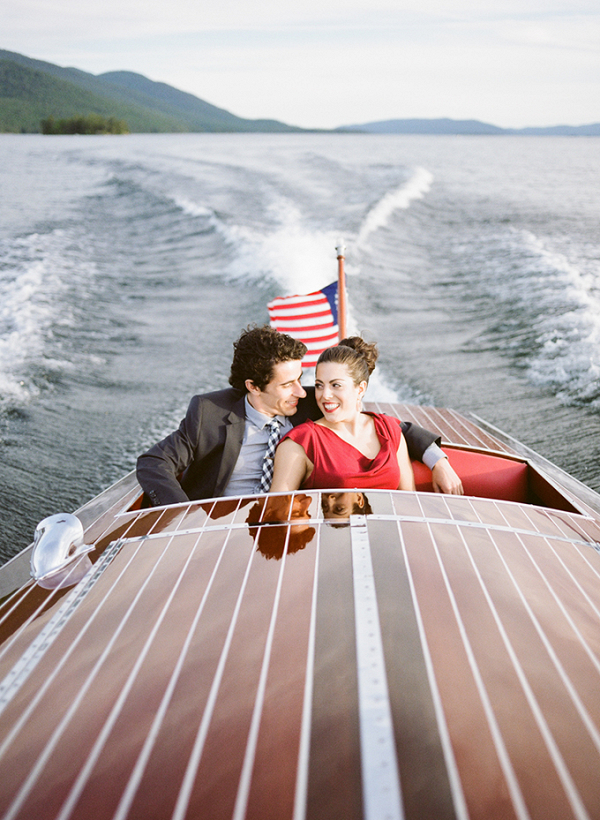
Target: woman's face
[
  {"x": 337, "y": 395},
  {"x": 341, "y": 505}
]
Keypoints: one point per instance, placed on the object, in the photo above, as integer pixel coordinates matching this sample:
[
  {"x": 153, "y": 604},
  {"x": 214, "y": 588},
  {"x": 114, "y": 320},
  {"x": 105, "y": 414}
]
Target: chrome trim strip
[
  {"x": 381, "y": 781},
  {"x": 413, "y": 519},
  {"x": 42, "y": 642}
]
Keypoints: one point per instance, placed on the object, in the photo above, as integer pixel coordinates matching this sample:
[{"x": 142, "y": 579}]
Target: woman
[
  {"x": 347, "y": 447},
  {"x": 341, "y": 505}
]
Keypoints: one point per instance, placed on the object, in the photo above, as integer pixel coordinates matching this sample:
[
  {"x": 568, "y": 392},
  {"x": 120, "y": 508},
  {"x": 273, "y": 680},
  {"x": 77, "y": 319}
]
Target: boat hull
[
  {"x": 439, "y": 657},
  {"x": 401, "y": 655}
]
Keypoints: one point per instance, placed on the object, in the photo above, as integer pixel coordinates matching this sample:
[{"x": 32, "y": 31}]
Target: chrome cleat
[{"x": 59, "y": 557}]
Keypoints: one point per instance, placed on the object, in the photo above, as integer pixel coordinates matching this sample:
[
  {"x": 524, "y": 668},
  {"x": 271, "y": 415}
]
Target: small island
[{"x": 91, "y": 124}]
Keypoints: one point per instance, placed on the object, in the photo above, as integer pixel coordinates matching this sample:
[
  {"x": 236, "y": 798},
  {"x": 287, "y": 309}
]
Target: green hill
[
  {"x": 27, "y": 96},
  {"x": 196, "y": 113},
  {"x": 33, "y": 90}
]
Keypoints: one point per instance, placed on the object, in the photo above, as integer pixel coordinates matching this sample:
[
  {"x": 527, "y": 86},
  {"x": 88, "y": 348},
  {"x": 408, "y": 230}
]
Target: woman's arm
[
  {"x": 290, "y": 468},
  {"x": 407, "y": 478}
]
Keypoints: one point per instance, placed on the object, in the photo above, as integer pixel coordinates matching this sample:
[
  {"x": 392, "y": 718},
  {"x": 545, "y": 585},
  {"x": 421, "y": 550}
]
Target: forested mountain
[{"x": 32, "y": 90}]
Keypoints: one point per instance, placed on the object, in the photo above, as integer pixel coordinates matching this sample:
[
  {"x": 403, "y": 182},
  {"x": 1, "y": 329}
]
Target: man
[
  {"x": 272, "y": 542},
  {"x": 220, "y": 446}
]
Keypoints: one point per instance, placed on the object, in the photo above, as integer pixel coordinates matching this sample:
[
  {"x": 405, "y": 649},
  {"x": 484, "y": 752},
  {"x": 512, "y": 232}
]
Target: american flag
[{"x": 311, "y": 317}]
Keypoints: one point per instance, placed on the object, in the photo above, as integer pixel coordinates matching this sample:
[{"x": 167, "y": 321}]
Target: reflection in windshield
[
  {"x": 340, "y": 506},
  {"x": 281, "y": 509}
]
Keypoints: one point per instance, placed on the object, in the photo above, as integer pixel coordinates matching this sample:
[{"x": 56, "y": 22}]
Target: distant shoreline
[
  {"x": 449, "y": 127},
  {"x": 33, "y": 90}
]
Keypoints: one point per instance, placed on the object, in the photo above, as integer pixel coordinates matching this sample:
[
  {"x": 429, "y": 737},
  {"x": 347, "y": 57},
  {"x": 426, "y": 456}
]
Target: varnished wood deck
[
  {"x": 439, "y": 658},
  {"x": 454, "y": 428}
]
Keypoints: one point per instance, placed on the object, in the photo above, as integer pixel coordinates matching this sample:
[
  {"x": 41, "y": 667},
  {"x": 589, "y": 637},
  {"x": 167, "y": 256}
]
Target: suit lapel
[{"x": 235, "y": 423}]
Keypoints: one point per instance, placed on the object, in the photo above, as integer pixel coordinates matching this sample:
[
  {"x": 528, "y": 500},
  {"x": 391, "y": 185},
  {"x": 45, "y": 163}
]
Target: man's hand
[{"x": 445, "y": 479}]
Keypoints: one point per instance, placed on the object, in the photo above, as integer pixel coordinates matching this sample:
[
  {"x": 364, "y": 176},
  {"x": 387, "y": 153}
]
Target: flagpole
[{"x": 340, "y": 250}]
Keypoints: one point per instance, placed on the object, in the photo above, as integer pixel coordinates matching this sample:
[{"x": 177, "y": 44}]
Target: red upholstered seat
[{"x": 482, "y": 475}]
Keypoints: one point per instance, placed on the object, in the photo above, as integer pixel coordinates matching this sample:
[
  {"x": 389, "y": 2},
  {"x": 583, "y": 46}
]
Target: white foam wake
[
  {"x": 301, "y": 259},
  {"x": 400, "y": 198},
  {"x": 191, "y": 208},
  {"x": 36, "y": 275},
  {"x": 567, "y": 358}
]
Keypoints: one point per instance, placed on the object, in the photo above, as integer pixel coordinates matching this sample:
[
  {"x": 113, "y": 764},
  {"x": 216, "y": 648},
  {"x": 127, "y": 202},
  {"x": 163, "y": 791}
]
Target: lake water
[{"x": 128, "y": 265}]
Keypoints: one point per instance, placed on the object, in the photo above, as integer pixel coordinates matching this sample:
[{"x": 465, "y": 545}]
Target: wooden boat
[{"x": 428, "y": 657}]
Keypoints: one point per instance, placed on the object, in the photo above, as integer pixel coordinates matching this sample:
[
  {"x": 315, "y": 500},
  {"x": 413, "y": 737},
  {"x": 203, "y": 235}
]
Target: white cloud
[
  {"x": 576, "y": 34},
  {"x": 131, "y": 18}
]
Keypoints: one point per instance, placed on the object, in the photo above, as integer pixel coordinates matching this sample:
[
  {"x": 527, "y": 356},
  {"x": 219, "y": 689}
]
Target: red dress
[{"x": 340, "y": 465}]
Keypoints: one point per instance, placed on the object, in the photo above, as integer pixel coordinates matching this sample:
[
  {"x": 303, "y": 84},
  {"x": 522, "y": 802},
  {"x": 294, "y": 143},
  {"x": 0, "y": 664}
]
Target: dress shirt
[
  {"x": 432, "y": 455},
  {"x": 245, "y": 479}
]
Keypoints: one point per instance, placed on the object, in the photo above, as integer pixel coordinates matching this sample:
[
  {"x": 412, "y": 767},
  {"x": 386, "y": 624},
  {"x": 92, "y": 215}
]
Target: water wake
[
  {"x": 296, "y": 258},
  {"x": 416, "y": 188},
  {"x": 567, "y": 358},
  {"x": 547, "y": 301},
  {"x": 36, "y": 274}
]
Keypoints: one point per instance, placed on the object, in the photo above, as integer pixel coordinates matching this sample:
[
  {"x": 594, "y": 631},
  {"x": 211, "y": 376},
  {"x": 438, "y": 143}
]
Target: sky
[{"x": 327, "y": 63}]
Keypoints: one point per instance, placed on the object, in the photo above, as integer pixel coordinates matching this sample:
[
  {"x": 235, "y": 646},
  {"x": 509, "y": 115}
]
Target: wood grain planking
[
  {"x": 275, "y": 767},
  {"x": 424, "y": 779},
  {"x": 334, "y": 777},
  {"x": 530, "y": 771},
  {"x": 483, "y": 780},
  {"x": 189, "y": 705},
  {"x": 142, "y": 696}
]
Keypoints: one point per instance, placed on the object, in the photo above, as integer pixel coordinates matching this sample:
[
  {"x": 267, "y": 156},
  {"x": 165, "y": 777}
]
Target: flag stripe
[
  {"x": 318, "y": 325},
  {"x": 311, "y": 318},
  {"x": 304, "y": 313},
  {"x": 298, "y": 306},
  {"x": 297, "y": 302},
  {"x": 318, "y": 332},
  {"x": 317, "y": 344}
]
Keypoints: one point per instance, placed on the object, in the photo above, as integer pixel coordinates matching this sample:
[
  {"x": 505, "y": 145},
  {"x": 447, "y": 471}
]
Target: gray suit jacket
[{"x": 197, "y": 460}]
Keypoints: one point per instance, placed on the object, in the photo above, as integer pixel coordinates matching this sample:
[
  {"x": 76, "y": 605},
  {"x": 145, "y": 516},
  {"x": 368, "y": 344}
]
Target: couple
[
  {"x": 347, "y": 447},
  {"x": 220, "y": 447}
]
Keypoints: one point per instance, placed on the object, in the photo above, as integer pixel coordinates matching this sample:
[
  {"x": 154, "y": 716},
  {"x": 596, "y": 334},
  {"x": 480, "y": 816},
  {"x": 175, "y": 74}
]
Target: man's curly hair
[{"x": 257, "y": 351}]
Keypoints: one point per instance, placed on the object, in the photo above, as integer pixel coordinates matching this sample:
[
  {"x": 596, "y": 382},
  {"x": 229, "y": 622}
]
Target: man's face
[
  {"x": 280, "y": 396},
  {"x": 277, "y": 510}
]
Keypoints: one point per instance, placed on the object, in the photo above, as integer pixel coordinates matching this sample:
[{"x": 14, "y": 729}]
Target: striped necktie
[{"x": 267, "y": 468}]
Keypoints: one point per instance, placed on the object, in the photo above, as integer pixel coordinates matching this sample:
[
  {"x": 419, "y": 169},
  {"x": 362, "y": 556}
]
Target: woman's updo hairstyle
[{"x": 359, "y": 356}]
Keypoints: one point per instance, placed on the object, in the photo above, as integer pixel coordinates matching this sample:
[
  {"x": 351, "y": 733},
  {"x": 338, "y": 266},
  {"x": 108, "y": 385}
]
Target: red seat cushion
[{"x": 482, "y": 475}]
